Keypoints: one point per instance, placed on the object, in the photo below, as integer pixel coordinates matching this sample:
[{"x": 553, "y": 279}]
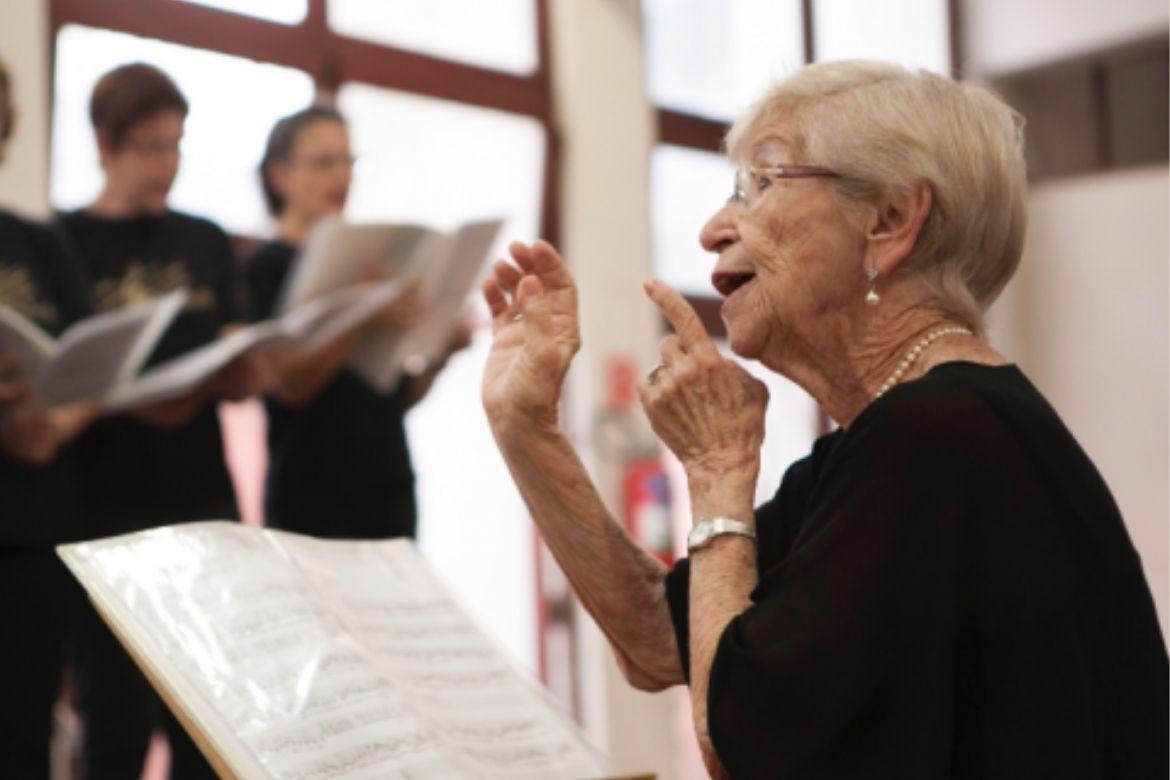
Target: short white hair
[{"x": 884, "y": 128}]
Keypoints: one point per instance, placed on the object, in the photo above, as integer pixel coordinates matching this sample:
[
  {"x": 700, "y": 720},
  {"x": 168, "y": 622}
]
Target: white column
[
  {"x": 608, "y": 130},
  {"x": 24, "y": 48}
]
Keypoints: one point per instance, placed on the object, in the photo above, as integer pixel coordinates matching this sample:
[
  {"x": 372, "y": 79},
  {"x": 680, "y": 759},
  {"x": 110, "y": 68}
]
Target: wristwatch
[{"x": 706, "y": 530}]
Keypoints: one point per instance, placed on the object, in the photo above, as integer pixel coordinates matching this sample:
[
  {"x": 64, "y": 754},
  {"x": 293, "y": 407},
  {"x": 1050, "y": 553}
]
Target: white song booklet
[
  {"x": 304, "y": 659},
  {"x": 93, "y": 358},
  {"x": 444, "y": 265}
]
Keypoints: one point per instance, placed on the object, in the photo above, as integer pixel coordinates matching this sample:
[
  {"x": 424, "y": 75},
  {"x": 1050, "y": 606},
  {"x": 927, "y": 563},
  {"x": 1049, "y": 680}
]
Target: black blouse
[
  {"x": 946, "y": 590},
  {"x": 38, "y": 505},
  {"x": 339, "y": 466},
  {"x": 133, "y": 475}
]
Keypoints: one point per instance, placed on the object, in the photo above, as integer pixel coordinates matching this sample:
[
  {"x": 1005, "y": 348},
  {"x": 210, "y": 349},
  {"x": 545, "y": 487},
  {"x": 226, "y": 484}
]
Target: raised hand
[
  {"x": 708, "y": 410},
  {"x": 535, "y": 334}
]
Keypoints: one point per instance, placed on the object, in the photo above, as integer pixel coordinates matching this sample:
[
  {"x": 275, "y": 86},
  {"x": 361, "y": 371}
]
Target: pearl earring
[{"x": 871, "y": 297}]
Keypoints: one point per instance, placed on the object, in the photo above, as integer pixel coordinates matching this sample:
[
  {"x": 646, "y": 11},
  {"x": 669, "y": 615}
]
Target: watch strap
[{"x": 707, "y": 529}]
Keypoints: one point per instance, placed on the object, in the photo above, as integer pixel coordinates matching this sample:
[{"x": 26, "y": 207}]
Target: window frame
[
  {"x": 332, "y": 59},
  {"x": 679, "y": 128}
]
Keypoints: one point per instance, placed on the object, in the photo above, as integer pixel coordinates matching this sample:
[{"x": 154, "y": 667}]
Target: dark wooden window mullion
[
  {"x": 312, "y": 47},
  {"x": 808, "y": 32},
  {"x": 331, "y": 60}
]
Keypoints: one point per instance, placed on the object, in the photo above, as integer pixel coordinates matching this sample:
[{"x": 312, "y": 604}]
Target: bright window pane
[
  {"x": 498, "y": 34},
  {"x": 910, "y": 32},
  {"x": 224, "y": 134},
  {"x": 283, "y": 11},
  {"x": 441, "y": 163},
  {"x": 687, "y": 187},
  {"x": 714, "y": 58}
]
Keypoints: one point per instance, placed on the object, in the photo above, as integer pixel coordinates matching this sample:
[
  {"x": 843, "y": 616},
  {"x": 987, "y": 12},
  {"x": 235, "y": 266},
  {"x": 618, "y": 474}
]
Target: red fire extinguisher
[
  {"x": 645, "y": 486},
  {"x": 647, "y": 507}
]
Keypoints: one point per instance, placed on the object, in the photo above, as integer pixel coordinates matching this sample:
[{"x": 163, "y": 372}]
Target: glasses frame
[
  {"x": 323, "y": 163},
  {"x": 743, "y": 174}
]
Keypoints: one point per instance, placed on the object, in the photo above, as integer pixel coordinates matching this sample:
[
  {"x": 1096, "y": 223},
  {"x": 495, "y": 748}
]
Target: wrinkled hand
[
  {"x": 708, "y": 410},
  {"x": 535, "y": 334}
]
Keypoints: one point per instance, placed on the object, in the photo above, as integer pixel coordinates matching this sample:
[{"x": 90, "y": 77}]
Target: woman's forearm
[
  {"x": 723, "y": 575},
  {"x": 620, "y": 584}
]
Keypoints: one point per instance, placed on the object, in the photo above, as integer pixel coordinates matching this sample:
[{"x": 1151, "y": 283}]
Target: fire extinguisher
[
  {"x": 644, "y": 483},
  {"x": 646, "y": 492}
]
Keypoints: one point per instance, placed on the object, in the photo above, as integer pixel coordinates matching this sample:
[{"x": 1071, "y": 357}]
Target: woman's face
[
  {"x": 314, "y": 180},
  {"x": 788, "y": 262},
  {"x": 143, "y": 167}
]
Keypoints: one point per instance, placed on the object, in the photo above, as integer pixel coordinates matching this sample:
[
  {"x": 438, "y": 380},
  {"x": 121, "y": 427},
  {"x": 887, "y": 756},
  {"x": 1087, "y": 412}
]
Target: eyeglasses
[
  {"x": 750, "y": 180},
  {"x": 327, "y": 162},
  {"x": 153, "y": 147}
]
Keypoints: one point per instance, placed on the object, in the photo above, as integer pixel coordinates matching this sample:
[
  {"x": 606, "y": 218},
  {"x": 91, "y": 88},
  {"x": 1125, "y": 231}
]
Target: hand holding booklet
[
  {"x": 298, "y": 658},
  {"x": 95, "y": 357},
  {"x": 445, "y": 265},
  {"x": 309, "y": 326}
]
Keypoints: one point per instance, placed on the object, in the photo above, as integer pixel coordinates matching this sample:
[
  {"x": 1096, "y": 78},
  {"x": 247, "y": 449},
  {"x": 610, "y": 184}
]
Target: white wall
[
  {"x": 1086, "y": 317},
  {"x": 24, "y": 37},
  {"x": 1089, "y": 325},
  {"x": 1004, "y": 35},
  {"x": 608, "y": 130}
]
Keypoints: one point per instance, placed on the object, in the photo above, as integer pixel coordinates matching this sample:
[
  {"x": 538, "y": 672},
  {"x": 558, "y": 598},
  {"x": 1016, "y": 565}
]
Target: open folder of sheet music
[
  {"x": 444, "y": 265},
  {"x": 93, "y": 357},
  {"x": 292, "y": 657}
]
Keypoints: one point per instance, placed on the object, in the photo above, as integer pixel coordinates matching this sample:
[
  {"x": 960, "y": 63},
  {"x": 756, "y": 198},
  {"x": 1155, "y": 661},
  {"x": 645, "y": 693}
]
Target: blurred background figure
[
  {"x": 39, "y": 506},
  {"x": 162, "y": 464},
  {"x": 338, "y": 462}
]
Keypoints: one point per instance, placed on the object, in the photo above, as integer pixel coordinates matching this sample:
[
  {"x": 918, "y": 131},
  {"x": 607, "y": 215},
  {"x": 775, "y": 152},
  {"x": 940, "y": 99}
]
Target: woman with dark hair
[
  {"x": 164, "y": 464},
  {"x": 40, "y": 506},
  {"x": 338, "y": 459}
]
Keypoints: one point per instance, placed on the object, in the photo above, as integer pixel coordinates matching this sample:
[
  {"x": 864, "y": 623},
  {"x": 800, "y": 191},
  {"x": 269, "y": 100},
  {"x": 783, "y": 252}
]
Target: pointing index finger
[{"x": 682, "y": 317}]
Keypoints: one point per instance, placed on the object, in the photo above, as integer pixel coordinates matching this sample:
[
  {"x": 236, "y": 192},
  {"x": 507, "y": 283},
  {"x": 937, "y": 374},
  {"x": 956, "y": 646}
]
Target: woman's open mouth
[{"x": 729, "y": 282}]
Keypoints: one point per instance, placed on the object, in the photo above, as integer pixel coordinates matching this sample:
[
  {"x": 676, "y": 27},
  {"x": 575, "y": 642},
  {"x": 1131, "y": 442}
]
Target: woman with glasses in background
[
  {"x": 163, "y": 464},
  {"x": 339, "y": 464}
]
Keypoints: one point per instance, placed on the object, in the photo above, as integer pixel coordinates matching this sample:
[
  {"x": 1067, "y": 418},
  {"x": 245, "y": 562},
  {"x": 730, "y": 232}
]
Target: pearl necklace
[{"x": 913, "y": 354}]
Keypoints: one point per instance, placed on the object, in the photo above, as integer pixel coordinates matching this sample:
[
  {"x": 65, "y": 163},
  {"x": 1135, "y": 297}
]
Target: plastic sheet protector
[{"x": 303, "y": 659}]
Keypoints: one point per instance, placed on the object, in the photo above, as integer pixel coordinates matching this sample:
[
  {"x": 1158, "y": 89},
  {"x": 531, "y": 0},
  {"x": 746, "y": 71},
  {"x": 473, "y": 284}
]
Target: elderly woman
[{"x": 944, "y": 586}]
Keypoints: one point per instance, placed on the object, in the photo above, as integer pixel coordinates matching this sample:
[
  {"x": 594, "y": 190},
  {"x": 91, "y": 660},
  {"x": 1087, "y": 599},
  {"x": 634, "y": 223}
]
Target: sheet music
[
  {"x": 93, "y": 356},
  {"x": 311, "y": 325},
  {"x": 311, "y": 659},
  {"x": 447, "y": 267},
  {"x": 338, "y": 255}
]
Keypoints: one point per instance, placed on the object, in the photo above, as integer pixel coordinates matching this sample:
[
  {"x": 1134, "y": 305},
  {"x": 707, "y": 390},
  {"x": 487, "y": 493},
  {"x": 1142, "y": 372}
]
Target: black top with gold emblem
[
  {"x": 338, "y": 467},
  {"x": 38, "y": 506},
  {"x": 133, "y": 475}
]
